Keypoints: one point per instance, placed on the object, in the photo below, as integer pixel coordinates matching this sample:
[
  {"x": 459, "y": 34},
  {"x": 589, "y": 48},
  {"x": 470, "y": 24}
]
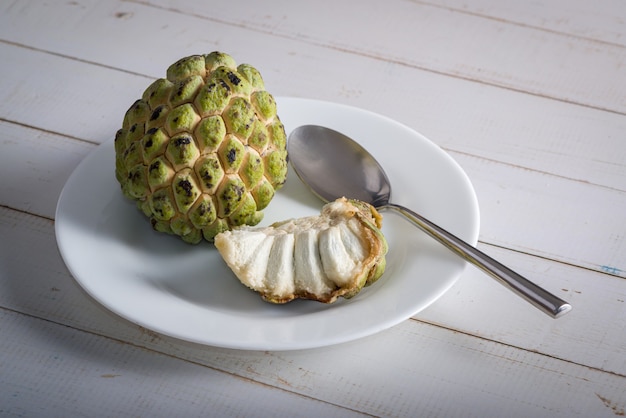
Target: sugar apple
[
  {"x": 319, "y": 257},
  {"x": 203, "y": 150}
]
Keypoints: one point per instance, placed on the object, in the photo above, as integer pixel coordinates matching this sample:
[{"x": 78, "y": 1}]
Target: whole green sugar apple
[{"x": 203, "y": 150}]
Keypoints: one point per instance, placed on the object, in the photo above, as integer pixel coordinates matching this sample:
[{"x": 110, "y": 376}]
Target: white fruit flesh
[{"x": 318, "y": 257}]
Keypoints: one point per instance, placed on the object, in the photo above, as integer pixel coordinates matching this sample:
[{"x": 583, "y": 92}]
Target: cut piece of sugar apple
[
  {"x": 319, "y": 257},
  {"x": 203, "y": 150}
]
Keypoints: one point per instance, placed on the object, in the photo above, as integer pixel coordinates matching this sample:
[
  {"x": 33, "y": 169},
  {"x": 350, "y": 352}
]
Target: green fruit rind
[{"x": 202, "y": 150}]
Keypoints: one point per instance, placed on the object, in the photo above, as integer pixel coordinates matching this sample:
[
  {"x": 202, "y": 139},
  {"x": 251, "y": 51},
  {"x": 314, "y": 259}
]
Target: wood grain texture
[
  {"x": 528, "y": 97},
  {"x": 58, "y": 368},
  {"x": 601, "y": 21},
  {"x": 473, "y": 372},
  {"x": 592, "y": 335},
  {"x": 478, "y": 375},
  {"x": 35, "y": 166},
  {"x": 503, "y": 188},
  {"x": 469, "y": 117},
  {"x": 497, "y": 54}
]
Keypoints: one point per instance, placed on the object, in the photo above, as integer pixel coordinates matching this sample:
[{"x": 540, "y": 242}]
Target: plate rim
[{"x": 281, "y": 101}]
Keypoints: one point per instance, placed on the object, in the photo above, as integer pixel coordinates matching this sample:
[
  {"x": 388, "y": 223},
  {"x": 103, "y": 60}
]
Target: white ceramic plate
[{"x": 187, "y": 292}]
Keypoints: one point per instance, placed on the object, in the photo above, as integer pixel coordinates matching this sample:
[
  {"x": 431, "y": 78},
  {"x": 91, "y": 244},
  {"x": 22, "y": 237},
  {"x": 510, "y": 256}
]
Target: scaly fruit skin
[{"x": 203, "y": 150}]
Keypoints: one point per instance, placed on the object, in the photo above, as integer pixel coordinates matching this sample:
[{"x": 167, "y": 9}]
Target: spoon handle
[{"x": 539, "y": 297}]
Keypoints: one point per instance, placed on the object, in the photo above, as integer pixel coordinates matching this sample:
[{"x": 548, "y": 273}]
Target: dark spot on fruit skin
[
  {"x": 176, "y": 119},
  {"x": 129, "y": 150},
  {"x": 149, "y": 143},
  {"x": 229, "y": 201},
  {"x": 232, "y": 155},
  {"x": 233, "y": 78},
  {"x": 211, "y": 87},
  {"x": 133, "y": 176},
  {"x": 133, "y": 128},
  {"x": 182, "y": 141},
  {"x": 186, "y": 186},
  {"x": 159, "y": 211},
  {"x": 154, "y": 166},
  {"x": 157, "y": 112},
  {"x": 152, "y": 131},
  {"x": 238, "y": 191},
  {"x": 225, "y": 85},
  {"x": 208, "y": 179}
]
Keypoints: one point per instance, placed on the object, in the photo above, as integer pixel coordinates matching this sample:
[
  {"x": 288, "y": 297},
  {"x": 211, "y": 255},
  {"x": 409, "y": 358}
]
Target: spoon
[{"x": 332, "y": 165}]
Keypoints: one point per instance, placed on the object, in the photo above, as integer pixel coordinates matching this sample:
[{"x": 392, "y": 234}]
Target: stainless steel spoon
[{"x": 332, "y": 165}]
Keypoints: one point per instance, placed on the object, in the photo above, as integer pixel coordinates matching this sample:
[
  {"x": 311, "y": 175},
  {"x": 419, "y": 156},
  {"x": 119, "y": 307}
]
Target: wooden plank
[
  {"x": 497, "y": 53},
  {"x": 461, "y": 116},
  {"x": 74, "y": 99},
  {"x": 594, "y": 328},
  {"x": 58, "y": 371},
  {"x": 549, "y": 216},
  {"x": 603, "y": 21},
  {"x": 37, "y": 170},
  {"x": 35, "y": 166},
  {"x": 428, "y": 369},
  {"x": 36, "y": 282},
  {"x": 478, "y": 351}
]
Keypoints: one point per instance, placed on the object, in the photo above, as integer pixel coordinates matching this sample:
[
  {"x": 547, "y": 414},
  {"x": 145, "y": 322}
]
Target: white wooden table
[{"x": 529, "y": 97}]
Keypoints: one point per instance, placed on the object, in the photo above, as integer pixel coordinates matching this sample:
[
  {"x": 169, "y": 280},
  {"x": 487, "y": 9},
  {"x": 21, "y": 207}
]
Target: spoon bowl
[{"x": 332, "y": 165}]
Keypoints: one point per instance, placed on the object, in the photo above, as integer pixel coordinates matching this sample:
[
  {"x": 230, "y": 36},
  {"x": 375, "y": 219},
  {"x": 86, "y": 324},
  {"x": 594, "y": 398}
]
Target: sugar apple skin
[{"x": 203, "y": 150}]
